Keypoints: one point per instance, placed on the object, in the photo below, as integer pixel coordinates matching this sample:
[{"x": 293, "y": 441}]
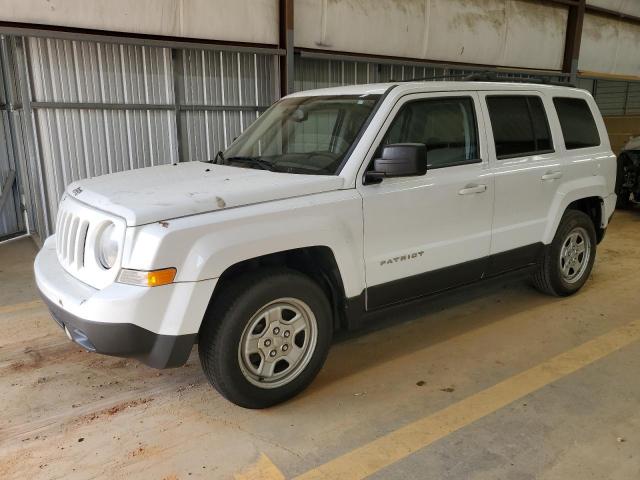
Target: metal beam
[
  {"x": 605, "y": 12},
  {"x": 286, "y": 44},
  {"x": 69, "y": 33},
  {"x": 570, "y": 3},
  {"x": 145, "y": 106},
  {"x": 573, "y": 37}
]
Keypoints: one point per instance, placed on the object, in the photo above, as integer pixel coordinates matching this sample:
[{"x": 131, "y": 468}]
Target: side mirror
[{"x": 399, "y": 160}]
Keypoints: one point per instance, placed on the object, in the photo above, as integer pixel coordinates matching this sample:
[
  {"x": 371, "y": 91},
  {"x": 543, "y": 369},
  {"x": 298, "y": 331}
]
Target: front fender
[{"x": 204, "y": 246}]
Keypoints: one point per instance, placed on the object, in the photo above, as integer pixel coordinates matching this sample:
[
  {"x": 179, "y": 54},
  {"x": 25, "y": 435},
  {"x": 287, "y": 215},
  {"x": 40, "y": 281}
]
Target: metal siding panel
[
  {"x": 585, "y": 84},
  {"x": 218, "y": 79},
  {"x": 75, "y": 143},
  {"x": 80, "y": 143},
  {"x": 633, "y": 99},
  {"x": 9, "y": 221},
  {"x": 611, "y": 97}
]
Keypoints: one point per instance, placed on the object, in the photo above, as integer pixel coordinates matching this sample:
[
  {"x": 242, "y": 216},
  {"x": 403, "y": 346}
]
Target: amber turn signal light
[{"x": 152, "y": 278}]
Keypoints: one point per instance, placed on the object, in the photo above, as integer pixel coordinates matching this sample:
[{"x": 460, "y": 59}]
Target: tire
[
  {"x": 249, "y": 322},
  {"x": 549, "y": 277}
]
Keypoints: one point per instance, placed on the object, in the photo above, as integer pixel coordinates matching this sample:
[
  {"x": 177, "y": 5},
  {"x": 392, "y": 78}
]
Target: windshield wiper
[
  {"x": 259, "y": 162},
  {"x": 219, "y": 155}
]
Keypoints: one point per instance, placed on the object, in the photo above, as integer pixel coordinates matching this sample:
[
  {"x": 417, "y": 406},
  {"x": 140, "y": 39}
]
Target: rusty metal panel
[
  {"x": 609, "y": 46},
  {"x": 489, "y": 32},
  {"x": 251, "y": 21}
]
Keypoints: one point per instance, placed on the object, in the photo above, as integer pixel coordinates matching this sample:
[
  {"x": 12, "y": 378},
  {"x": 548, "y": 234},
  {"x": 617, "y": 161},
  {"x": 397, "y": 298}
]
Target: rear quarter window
[
  {"x": 519, "y": 124},
  {"x": 577, "y": 123}
]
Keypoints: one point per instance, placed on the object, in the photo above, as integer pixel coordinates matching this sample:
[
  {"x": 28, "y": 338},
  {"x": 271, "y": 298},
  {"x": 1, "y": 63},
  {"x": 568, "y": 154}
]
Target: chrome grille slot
[
  {"x": 71, "y": 237},
  {"x": 81, "y": 242},
  {"x": 78, "y": 227}
]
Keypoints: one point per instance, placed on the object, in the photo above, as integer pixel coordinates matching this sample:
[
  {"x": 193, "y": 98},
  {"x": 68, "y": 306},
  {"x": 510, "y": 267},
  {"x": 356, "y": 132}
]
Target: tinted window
[
  {"x": 577, "y": 123},
  {"x": 519, "y": 125},
  {"x": 447, "y": 126}
]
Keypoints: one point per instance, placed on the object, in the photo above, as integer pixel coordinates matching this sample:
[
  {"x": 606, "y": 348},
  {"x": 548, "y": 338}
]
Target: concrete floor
[{"x": 70, "y": 414}]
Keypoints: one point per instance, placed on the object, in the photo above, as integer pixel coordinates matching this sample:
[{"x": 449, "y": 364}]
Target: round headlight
[{"x": 107, "y": 246}]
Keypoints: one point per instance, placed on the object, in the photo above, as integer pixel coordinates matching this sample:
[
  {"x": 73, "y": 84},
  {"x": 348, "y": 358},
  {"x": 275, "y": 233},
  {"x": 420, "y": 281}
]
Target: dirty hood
[{"x": 164, "y": 192}]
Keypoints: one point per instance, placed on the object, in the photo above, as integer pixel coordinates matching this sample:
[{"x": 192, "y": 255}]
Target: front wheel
[
  {"x": 568, "y": 261},
  {"x": 266, "y": 337}
]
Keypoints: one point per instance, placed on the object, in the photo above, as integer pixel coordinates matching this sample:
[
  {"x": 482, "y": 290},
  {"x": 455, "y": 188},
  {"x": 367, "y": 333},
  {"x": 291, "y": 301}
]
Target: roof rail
[{"x": 490, "y": 76}]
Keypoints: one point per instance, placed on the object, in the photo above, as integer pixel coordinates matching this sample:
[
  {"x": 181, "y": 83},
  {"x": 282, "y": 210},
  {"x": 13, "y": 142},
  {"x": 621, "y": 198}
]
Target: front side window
[
  {"x": 576, "y": 121},
  {"x": 447, "y": 126},
  {"x": 519, "y": 124},
  {"x": 309, "y": 135}
]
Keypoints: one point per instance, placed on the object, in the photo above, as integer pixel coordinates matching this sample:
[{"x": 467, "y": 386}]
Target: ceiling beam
[
  {"x": 569, "y": 3},
  {"x": 285, "y": 8},
  {"x": 573, "y": 37},
  {"x": 605, "y": 12}
]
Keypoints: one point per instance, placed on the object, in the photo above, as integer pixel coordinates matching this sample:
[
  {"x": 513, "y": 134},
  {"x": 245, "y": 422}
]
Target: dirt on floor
[{"x": 66, "y": 413}]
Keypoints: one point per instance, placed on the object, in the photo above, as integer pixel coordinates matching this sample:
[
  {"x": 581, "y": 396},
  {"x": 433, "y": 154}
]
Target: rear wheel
[
  {"x": 266, "y": 337},
  {"x": 568, "y": 261}
]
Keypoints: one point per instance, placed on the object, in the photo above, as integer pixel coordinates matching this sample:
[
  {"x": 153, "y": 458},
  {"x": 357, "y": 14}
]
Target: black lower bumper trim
[{"x": 125, "y": 339}]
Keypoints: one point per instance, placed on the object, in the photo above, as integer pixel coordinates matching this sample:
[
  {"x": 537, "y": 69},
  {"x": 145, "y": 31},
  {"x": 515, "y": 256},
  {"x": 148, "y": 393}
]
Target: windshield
[{"x": 308, "y": 135}]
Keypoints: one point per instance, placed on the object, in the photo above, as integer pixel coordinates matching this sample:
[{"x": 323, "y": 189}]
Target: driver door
[{"x": 428, "y": 233}]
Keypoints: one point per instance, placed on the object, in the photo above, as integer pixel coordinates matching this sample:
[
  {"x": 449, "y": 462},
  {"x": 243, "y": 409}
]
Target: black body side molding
[{"x": 405, "y": 290}]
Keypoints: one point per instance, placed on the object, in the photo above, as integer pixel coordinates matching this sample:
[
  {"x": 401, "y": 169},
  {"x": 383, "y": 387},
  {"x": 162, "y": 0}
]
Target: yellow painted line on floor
[
  {"x": 378, "y": 454},
  {"x": 20, "y": 306},
  {"x": 263, "y": 469}
]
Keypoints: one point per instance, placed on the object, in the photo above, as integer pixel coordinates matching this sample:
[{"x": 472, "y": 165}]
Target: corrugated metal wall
[
  {"x": 614, "y": 97},
  {"x": 97, "y": 108},
  {"x": 79, "y": 141},
  {"x": 220, "y": 94},
  {"x": 313, "y": 73},
  {"x": 10, "y": 211}
]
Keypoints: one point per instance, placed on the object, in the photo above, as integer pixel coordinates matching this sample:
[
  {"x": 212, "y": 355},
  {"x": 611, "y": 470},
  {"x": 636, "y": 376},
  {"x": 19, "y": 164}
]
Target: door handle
[
  {"x": 551, "y": 176},
  {"x": 472, "y": 188}
]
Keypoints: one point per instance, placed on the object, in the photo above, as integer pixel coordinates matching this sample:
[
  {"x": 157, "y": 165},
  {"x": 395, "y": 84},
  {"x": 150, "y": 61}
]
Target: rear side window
[
  {"x": 520, "y": 126},
  {"x": 576, "y": 120},
  {"x": 447, "y": 126}
]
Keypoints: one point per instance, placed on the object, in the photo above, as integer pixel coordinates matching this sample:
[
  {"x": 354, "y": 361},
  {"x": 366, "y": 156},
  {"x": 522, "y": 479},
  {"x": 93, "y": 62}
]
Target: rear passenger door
[{"x": 527, "y": 175}]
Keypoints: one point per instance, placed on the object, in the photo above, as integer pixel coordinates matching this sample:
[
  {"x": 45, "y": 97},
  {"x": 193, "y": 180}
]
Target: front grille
[{"x": 71, "y": 235}]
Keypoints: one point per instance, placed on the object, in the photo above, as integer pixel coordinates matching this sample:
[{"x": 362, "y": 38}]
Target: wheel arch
[
  {"x": 586, "y": 195},
  {"x": 593, "y": 207},
  {"x": 318, "y": 262}
]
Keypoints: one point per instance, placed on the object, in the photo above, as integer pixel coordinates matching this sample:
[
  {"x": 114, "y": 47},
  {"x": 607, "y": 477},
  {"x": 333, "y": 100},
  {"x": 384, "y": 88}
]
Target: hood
[{"x": 164, "y": 192}]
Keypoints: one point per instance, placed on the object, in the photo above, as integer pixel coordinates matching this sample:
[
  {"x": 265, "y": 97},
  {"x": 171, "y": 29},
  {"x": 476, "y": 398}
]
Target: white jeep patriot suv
[{"x": 333, "y": 204}]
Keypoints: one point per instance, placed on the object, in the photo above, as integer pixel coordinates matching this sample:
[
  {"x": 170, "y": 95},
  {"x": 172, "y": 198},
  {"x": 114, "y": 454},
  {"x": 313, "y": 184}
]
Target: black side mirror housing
[{"x": 399, "y": 160}]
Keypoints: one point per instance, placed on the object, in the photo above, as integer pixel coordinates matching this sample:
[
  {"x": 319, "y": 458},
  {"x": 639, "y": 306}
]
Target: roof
[{"x": 427, "y": 86}]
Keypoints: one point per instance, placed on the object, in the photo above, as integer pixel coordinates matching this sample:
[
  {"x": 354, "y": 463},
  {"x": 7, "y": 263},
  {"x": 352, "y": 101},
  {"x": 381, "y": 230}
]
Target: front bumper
[
  {"x": 157, "y": 326},
  {"x": 124, "y": 339}
]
